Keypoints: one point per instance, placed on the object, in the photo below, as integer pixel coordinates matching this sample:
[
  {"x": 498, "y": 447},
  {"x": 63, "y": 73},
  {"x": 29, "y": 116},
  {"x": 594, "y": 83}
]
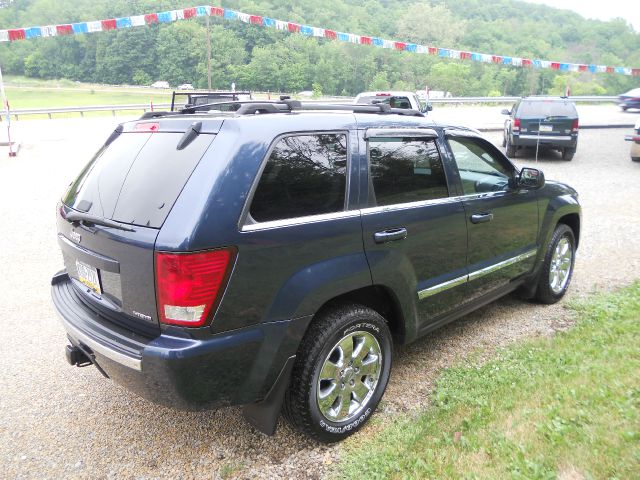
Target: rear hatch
[
  {"x": 553, "y": 117},
  {"x": 110, "y": 216}
]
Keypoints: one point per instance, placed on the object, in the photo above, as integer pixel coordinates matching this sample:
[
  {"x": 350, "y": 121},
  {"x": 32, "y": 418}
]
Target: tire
[
  {"x": 568, "y": 153},
  {"x": 624, "y": 109},
  {"x": 323, "y": 349},
  {"x": 554, "y": 281},
  {"x": 504, "y": 139},
  {"x": 635, "y": 159},
  {"x": 510, "y": 149}
]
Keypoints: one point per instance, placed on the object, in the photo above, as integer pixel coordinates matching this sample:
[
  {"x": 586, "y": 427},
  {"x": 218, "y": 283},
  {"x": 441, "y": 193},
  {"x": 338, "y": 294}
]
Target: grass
[{"x": 565, "y": 407}]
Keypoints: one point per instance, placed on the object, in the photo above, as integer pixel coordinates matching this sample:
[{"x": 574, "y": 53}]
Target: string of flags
[{"x": 17, "y": 34}]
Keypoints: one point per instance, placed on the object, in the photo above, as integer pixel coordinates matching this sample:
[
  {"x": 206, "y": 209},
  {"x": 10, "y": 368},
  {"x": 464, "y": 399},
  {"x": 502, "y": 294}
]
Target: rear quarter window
[{"x": 304, "y": 175}]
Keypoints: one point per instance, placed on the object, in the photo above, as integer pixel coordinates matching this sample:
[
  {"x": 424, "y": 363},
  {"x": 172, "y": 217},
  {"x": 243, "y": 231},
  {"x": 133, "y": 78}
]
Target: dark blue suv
[{"x": 270, "y": 255}]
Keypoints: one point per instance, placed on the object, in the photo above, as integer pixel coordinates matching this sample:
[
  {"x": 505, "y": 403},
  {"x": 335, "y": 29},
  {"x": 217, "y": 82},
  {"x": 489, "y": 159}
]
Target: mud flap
[{"x": 264, "y": 415}]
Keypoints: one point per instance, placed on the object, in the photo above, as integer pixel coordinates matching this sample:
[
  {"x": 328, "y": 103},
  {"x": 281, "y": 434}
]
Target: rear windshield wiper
[{"x": 86, "y": 218}]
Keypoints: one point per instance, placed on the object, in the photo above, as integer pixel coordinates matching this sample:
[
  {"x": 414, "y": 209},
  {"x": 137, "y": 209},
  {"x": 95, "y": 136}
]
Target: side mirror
[
  {"x": 506, "y": 111},
  {"x": 426, "y": 108},
  {"x": 530, "y": 179},
  {"x": 429, "y": 107}
]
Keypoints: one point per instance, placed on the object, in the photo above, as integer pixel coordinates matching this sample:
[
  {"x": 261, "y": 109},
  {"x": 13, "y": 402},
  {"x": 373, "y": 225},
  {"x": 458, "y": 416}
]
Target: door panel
[{"x": 502, "y": 222}]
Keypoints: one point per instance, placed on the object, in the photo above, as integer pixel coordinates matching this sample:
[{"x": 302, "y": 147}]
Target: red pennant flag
[
  {"x": 635, "y": 72},
  {"x": 255, "y": 19},
  {"x": 465, "y": 55},
  {"x": 109, "y": 24},
  {"x": 151, "y": 18},
  {"x": 610, "y": 70},
  {"x": 496, "y": 59},
  {"x": 64, "y": 29},
  {"x": 190, "y": 12},
  {"x": 331, "y": 34},
  {"x": 365, "y": 40},
  {"x": 555, "y": 65},
  {"x": 433, "y": 51},
  {"x": 293, "y": 27},
  {"x": 526, "y": 62},
  {"x": 399, "y": 45},
  {"x": 16, "y": 34},
  {"x": 582, "y": 68},
  {"x": 217, "y": 12}
]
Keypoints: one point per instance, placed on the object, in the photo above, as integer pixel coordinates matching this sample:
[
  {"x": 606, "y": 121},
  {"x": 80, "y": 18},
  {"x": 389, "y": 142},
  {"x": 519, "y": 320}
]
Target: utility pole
[{"x": 208, "y": 53}]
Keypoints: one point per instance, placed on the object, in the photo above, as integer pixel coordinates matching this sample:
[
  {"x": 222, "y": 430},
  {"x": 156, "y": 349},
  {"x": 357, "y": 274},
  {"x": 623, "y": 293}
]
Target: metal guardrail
[{"x": 165, "y": 106}]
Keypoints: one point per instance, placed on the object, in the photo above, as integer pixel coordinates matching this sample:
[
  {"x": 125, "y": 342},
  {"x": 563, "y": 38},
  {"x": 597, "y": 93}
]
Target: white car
[
  {"x": 160, "y": 84},
  {"x": 396, "y": 99},
  {"x": 635, "y": 142},
  {"x": 185, "y": 86}
]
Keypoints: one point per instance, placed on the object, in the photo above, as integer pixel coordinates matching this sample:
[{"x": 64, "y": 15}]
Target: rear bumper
[
  {"x": 176, "y": 370},
  {"x": 531, "y": 140}
]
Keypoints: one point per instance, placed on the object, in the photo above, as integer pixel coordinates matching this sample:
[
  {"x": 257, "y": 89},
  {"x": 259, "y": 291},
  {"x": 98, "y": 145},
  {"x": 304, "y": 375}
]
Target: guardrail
[{"x": 164, "y": 106}]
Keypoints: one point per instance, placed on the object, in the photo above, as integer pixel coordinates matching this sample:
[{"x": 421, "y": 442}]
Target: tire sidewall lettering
[
  {"x": 361, "y": 326},
  {"x": 348, "y": 427}
]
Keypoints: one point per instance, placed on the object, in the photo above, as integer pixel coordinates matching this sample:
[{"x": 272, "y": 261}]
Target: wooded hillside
[{"x": 259, "y": 58}]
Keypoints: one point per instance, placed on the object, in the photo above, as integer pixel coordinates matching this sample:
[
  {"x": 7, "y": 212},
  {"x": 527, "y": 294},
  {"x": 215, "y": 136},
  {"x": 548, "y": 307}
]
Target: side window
[
  {"x": 480, "y": 171},
  {"x": 406, "y": 170},
  {"x": 304, "y": 175}
]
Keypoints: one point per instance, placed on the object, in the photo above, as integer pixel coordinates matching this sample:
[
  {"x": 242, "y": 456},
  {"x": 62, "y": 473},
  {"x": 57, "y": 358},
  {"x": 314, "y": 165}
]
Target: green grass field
[{"x": 565, "y": 407}]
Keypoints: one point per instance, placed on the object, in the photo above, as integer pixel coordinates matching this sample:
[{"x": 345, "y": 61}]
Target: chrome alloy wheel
[
  {"x": 560, "y": 268},
  {"x": 349, "y": 376}
]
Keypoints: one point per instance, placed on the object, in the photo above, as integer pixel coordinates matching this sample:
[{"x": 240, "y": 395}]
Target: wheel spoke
[
  {"x": 327, "y": 398},
  {"x": 346, "y": 348},
  {"x": 370, "y": 367},
  {"x": 360, "y": 391},
  {"x": 345, "y": 403},
  {"x": 330, "y": 371}
]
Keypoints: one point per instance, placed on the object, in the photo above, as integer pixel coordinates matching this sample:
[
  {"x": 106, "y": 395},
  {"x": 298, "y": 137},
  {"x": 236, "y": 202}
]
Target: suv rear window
[
  {"x": 394, "y": 101},
  {"x": 305, "y": 175},
  {"x": 137, "y": 178},
  {"x": 547, "y": 108}
]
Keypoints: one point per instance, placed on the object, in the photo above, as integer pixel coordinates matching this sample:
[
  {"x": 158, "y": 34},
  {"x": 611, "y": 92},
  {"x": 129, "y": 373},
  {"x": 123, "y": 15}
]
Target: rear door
[
  {"x": 414, "y": 232},
  {"x": 502, "y": 222},
  {"x": 133, "y": 181}
]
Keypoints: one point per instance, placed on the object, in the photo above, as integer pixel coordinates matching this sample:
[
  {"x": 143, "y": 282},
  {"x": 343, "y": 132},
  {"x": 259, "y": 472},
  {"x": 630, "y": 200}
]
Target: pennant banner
[{"x": 17, "y": 34}]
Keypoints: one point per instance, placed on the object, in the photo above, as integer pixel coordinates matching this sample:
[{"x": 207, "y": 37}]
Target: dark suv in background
[
  {"x": 272, "y": 255},
  {"x": 550, "y": 122}
]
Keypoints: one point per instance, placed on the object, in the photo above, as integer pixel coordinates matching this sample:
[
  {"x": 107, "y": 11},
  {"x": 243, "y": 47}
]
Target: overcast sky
[{"x": 599, "y": 9}]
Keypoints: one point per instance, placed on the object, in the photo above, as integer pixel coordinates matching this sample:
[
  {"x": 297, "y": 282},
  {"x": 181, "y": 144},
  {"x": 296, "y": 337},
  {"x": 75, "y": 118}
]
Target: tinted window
[
  {"x": 137, "y": 178},
  {"x": 393, "y": 101},
  {"x": 305, "y": 175},
  {"x": 406, "y": 170},
  {"x": 480, "y": 171},
  {"x": 546, "y": 108}
]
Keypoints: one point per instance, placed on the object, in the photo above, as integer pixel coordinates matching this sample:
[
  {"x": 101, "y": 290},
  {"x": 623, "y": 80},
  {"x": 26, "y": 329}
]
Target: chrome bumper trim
[
  {"x": 546, "y": 137},
  {"x": 121, "y": 358}
]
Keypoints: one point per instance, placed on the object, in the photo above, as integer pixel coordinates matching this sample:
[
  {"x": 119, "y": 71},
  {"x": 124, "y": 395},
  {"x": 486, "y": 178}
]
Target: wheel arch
[{"x": 572, "y": 220}]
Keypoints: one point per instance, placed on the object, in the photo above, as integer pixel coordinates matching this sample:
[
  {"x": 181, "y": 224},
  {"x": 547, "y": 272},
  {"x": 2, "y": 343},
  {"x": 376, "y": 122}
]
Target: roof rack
[{"x": 253, "y": 107}]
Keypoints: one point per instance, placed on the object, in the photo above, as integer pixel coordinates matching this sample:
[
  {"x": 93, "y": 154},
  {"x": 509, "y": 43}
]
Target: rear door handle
[
  {"x": 481, "y": 217},
  {"x": 390, "y": 235}
]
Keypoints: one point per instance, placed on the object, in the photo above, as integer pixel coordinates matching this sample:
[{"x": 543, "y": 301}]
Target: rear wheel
[
  {"x": 557, "y": 269},
  {"x": 510, "y": 149},
  {"x": 340, "y": 374},
  {"x": 568, "y": 153}
]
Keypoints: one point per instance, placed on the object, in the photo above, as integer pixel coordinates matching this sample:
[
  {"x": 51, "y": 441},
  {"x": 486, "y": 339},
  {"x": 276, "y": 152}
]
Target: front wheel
[
  {"x": 341, "y": 372},
  {"x": 557, "y": 269}
]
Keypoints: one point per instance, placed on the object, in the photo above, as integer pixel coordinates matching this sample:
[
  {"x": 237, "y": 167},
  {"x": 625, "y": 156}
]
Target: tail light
[
  {"x": 516, "y": 124},
  {"x": 190, "y": 285},
  {"x": 574, "y": 127}
]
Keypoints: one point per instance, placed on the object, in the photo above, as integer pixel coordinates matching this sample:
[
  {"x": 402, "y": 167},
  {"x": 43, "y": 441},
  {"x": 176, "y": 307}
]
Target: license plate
[
  {"x": 546, "y": 128},
  {"x": 89, "y": 276}
]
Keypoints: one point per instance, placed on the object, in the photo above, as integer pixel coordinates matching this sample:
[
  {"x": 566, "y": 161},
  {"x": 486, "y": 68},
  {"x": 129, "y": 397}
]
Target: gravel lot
[{"x": 57, "y": 421}]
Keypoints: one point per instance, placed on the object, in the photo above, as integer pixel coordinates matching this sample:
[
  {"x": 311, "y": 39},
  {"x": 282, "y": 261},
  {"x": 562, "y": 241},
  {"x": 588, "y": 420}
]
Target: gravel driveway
[{"x": 63, "y": 422}]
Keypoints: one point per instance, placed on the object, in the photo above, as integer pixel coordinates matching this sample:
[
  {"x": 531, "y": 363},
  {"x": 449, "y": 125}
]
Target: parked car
[
  {"x": 395, "y": 99},
  {"x": 203, "y": 98},
  {"x": 160, "y": 84},
  {"x": 185, "y": 86},
  {"x": 631, "y": 99},
  {"x": 272, "y": 256},
  {"x": 550, "y": 122},
  {"x": 635, "y": 142}
]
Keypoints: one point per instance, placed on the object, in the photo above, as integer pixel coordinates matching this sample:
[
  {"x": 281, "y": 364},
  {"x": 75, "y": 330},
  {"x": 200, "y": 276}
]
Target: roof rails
[{"x": 283, "y": 106}]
